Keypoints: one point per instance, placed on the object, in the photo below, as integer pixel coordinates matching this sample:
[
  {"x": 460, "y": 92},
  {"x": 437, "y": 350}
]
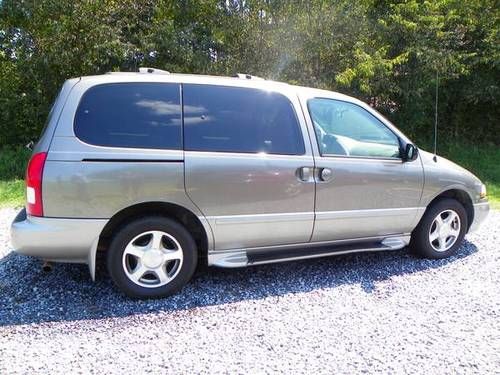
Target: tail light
[{"x": 34, "y": 174}]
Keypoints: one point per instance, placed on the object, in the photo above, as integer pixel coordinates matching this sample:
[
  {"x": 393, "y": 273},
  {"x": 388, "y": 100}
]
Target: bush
[{"x": 13, "y": 161}]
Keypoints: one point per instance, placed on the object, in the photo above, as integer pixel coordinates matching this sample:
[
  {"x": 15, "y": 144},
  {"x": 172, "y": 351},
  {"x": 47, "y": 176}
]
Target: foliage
[
  {"x": 13, "y": 162},
  {"x": 386, "y": 52}
]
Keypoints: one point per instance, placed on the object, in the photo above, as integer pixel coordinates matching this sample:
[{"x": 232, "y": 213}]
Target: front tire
[
  {"x": 151, "y": 257},
  {"x": 441, "y": 230}
]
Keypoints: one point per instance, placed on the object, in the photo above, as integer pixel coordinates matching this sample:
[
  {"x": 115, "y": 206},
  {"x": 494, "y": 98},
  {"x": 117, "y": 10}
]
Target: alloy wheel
[
  {"x": 152, "y": 259},
  {"x": 444, "y": 230}
]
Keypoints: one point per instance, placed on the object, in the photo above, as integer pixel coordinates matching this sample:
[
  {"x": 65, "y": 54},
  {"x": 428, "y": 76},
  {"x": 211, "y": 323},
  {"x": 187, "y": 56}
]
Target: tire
[
  {"x": 151, "y": 257},
  {"x": 428, "y": 241}
]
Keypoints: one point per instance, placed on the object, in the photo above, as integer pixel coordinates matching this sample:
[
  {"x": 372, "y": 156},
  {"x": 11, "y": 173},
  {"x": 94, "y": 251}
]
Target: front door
[
  {"x": 364, "y": 189},
  {"x": 247, "y": 165}
]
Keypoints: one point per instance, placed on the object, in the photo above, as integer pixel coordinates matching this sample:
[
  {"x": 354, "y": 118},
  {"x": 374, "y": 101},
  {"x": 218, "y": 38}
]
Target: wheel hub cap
[
  {"x": 445, "y": 230},
  {"x": 152, "y": 258}
]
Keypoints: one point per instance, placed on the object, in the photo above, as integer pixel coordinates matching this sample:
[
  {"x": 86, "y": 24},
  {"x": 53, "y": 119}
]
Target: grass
[
  {"x": 12, "y": 193},
  {"x": 482, "y": 160},
  {"x": 12, "y": 168}
]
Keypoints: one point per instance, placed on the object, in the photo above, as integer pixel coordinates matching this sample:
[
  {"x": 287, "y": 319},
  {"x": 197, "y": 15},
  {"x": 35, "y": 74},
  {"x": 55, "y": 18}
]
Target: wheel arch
[
  {"x": 461, "y": 196},
  {"x": 184, "y": 216}
]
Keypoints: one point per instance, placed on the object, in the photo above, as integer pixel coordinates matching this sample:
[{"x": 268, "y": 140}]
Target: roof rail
[
  {"x": 152, "y": 71},
  {"x": 247, "y": 76}
]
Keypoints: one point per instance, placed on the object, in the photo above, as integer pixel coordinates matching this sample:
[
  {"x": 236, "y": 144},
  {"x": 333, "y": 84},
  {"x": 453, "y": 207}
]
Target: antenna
[{"x": 436, "y": 116}]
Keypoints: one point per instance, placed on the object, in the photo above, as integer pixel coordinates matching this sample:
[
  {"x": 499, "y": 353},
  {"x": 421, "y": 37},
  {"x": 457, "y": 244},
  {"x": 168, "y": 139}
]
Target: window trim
[
  {"x": 80, "y": 99},
  {"x": 386, "y": 158},
  {"x": 359, "y": 157},
  {"x": 292, "y": 106}
]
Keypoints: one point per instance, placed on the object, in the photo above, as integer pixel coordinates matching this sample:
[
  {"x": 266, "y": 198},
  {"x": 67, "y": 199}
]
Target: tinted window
[
  {"x": 138, "y": 115},
  {"x": 344, "y": 128},
  {"x": 236, "y": 119}
]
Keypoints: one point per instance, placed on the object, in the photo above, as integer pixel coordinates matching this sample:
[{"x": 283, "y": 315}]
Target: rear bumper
[
  {"x": 481, "y": 211},
  {"x": 58, "y": 240}
]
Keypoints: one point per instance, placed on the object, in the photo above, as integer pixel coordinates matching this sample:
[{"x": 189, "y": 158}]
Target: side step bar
[
  {"x": 261, "y": 257},
  {"x": 244, "y": 257}
]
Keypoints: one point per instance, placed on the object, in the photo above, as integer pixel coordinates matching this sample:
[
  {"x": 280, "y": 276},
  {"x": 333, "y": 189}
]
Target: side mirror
[
  {"x": 30, "y": 145},
  {"x": 410, "y": 152}
]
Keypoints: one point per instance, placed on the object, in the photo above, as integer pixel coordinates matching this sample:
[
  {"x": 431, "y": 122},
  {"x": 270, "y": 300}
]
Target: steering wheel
[
  {"x": 333, "y": 146},
  {"x": 329, "y": 142}
]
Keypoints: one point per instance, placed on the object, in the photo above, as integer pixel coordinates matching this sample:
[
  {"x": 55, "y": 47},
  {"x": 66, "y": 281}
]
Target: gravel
[{"x": 382, "y": 312}]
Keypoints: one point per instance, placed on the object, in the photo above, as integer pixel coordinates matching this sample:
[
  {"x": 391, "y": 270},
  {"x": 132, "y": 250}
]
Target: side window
[
  {"x": 237, "y": 119},
  {"x": 137, "y": 115},
  {"x": 344, "y": 128}
]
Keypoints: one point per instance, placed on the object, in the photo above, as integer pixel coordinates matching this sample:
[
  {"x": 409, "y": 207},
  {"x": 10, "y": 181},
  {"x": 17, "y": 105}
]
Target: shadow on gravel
[{"x": 29, "y": 295}]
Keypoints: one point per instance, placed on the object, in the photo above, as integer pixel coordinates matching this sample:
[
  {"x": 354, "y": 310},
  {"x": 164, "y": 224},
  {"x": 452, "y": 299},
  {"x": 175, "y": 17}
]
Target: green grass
[
  {"x": 12, "y": 193},
  {"x": 482, "y": 160},
  {"x": 12, "y": 168}
]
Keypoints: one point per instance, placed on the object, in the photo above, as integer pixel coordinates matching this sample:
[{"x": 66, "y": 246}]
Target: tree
[{"x": 385, "y": 52}]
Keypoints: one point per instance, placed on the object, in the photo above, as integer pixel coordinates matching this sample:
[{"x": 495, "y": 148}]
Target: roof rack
[
  {"x": 247, "y": 76},
  {"x": 152, "y": 71}
]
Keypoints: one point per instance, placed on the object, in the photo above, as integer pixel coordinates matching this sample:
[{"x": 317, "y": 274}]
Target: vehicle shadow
[{"x": 30, "y": 295}]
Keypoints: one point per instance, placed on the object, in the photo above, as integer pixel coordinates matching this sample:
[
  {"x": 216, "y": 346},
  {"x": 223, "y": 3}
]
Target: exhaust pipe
[{"x": 47, "y": 266}]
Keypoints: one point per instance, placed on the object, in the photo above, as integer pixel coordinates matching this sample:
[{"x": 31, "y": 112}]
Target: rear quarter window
[{"x": 132, "y": 115}]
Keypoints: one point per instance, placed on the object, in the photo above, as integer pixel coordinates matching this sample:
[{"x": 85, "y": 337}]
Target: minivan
[{"x": 159, "y": 172}]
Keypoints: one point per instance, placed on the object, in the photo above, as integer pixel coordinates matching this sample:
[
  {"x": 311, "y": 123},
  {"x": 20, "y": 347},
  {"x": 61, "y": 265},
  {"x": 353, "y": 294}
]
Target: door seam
[{"x": 314, "y": 166}]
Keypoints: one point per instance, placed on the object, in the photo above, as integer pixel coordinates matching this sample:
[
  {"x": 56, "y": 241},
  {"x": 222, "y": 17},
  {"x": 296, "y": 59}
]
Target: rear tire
[
  {"x": 441, "y": 230},
  {"x": 152, "y": 257}
]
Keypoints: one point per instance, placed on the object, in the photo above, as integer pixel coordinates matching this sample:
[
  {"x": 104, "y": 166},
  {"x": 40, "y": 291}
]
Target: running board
[
  {"x": 261, "y": 257},
  {"x": 242, "y": 258}
]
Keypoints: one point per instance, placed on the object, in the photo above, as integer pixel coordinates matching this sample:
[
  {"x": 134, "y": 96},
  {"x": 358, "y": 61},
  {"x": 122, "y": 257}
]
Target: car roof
[
  {"x": 241, "y": 80},
  {"x": 251, "y": 81}
]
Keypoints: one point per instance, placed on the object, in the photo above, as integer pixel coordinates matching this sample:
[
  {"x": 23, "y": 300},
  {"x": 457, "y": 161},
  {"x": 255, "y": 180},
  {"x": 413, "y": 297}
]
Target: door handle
[
  {"x": 325, "y": 174},
  {"x": 304, "y": 173}
]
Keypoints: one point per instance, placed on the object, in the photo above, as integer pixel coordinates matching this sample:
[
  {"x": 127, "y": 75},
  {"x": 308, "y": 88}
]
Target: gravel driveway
[{"x": 383, "y": 312}]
